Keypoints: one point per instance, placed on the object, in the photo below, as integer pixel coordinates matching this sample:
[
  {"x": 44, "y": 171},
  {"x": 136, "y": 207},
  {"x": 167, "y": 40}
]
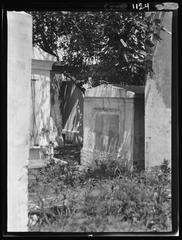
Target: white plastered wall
[{"x": 19, "y": 74}]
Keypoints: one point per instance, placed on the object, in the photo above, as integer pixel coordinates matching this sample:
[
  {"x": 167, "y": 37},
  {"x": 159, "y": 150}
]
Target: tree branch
[
  {"x": 45, "y": 46},
  {"x": 74, "y": 81}
]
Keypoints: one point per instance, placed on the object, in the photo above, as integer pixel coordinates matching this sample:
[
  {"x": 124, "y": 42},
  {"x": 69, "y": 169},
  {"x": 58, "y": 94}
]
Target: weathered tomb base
[{"x": 92, "y": 159}]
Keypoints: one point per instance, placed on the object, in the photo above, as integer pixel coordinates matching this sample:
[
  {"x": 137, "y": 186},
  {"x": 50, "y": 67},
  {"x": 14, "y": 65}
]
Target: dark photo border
[{"x": 93, "y": 6}]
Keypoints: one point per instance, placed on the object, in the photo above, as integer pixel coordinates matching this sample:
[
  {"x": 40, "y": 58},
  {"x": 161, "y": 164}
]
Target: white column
[
  {"x": 158, "y": 101},
  {"x": 19, "y": 76}
]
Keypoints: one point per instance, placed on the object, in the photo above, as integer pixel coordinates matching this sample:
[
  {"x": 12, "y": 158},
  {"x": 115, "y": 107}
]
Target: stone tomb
[{"x": 108, "y": 125}]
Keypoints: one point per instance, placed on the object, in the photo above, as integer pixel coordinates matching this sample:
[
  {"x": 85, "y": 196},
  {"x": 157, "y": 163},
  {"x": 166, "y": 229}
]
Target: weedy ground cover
[{"x": 108, "y": 198}]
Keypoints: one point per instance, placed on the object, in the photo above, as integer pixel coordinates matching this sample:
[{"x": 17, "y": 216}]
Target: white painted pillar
[
  {"x": 19, "y": 76},
  {"x": 158, "y": 101}
]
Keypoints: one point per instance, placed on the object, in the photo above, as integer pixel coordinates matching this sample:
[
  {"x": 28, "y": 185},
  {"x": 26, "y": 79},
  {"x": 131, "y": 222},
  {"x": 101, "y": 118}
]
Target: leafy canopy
[{"x": 109, "y": 46}]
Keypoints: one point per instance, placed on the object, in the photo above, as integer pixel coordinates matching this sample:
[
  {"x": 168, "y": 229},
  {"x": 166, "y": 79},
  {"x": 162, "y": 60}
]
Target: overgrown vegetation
[{"x": 105, "y": 199}]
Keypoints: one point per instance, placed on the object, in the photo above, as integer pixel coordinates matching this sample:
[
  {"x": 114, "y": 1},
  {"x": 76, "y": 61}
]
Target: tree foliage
[{"x": 109, "y": 46}]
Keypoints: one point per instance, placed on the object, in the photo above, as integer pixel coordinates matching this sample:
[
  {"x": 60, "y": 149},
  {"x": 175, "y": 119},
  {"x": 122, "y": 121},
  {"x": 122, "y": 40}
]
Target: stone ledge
[
  {"x": 41, "y": 163},
  {"x": 37, "y": 163}
]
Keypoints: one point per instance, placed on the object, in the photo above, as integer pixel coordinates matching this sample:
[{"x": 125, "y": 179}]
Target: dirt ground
[{"x": 68, "y": 153}]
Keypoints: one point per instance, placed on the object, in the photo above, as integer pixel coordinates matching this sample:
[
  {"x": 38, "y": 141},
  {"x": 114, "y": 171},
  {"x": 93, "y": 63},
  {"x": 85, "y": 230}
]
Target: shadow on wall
[
  {"x": 40, "y": 93},
  {"x": 106, "y": 132},
  {"x": 67, "y": 108},
  {"x": 139, "y": 132},
  {"x": 71, "y": 108}
]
